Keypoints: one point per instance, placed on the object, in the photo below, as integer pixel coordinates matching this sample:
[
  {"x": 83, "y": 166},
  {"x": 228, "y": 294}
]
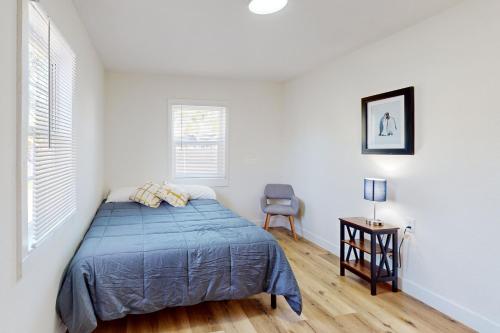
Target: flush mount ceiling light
[{"x": 263, "y": 7}]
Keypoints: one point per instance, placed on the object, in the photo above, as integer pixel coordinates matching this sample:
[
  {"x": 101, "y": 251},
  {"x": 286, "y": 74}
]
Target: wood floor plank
[
  {"x": 173, "y": 320},
  {"x": 331, "y": 304},
  {"x": 232, "y": 317},
  {"x": 378, "y": 310},
  {"x": 202, "y": 318},
  {"x": 261, "y": 317}
]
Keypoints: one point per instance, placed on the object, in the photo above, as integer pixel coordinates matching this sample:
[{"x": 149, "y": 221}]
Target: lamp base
[{"x": 376, "y": 223}]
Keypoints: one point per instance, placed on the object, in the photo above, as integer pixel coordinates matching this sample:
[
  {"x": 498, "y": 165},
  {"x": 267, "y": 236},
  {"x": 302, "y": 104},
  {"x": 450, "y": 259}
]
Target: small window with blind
[
  {"x": 50, "y": 170},
  {"x": 199, "y": 143}
]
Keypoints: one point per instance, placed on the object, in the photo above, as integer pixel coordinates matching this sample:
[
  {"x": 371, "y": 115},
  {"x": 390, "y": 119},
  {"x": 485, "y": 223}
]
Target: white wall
[
  {"x": 136, "y": 139},
  {"x": 28, "y": 304},
  {"x": 451, "y": 185}
]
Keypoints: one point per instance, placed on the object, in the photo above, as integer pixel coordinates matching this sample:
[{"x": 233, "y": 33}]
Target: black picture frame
[{"x": 409, "y": 123}]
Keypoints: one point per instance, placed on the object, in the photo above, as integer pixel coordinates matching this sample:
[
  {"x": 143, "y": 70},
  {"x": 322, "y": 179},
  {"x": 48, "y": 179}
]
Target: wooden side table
[{"x": 371, "y": 271}]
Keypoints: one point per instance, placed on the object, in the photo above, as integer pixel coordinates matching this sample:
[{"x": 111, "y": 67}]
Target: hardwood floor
[{"x": 331, "y": 303}]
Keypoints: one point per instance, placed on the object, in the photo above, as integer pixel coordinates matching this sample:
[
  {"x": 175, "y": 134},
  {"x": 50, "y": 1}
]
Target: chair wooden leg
[
  {"x": 292, "y": 227},
  {"x": 266, "y": 224}
]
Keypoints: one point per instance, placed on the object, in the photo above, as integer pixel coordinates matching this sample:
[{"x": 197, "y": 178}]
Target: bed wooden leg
[{"x": 273, "y": 301}]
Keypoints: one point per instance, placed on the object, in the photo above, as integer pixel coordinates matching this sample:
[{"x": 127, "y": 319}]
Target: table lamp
[{"x": 376, "y": 191}]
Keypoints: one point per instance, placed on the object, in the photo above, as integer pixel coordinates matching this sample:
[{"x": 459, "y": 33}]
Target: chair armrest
[
  {"x": 263, "y": 202},
  {"x": 294, "y": 202}
]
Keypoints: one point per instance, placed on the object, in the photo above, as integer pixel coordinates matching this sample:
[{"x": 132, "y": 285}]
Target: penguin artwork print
[{"x": 387, "y": 125}]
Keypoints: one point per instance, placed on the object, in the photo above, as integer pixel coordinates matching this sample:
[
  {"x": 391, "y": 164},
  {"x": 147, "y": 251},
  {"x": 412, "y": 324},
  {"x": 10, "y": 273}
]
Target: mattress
[{"x": 135, "y": 259}]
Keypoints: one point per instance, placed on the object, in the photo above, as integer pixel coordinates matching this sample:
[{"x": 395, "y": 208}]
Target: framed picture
[{"x": 388, "y": 123}]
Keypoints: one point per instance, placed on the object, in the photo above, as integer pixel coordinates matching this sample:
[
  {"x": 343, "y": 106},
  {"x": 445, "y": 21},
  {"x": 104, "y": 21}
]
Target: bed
[{"x": 135, "y": 259}]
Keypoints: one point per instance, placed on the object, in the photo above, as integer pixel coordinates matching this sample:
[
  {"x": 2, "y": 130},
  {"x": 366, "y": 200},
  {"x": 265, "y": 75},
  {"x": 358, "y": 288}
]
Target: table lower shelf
[
  {"x": 363, "y": 245},
  {"x": 362, "y": 268}
]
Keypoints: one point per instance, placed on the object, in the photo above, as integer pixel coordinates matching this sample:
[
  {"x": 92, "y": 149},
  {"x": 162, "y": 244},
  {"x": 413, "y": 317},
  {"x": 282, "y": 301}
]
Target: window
[
  {"x": 50, "y": 160},
  {"x": 199, "y": 143}
]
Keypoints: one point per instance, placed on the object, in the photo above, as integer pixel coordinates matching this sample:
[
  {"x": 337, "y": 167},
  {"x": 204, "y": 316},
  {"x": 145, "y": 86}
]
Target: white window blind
[
  {"x": 51, "y": 192},
  {"x": 199, "y": 142}
]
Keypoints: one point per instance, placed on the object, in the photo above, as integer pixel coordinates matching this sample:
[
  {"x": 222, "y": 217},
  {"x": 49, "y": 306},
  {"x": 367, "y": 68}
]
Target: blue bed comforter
[{"x": 136, "y": 259}]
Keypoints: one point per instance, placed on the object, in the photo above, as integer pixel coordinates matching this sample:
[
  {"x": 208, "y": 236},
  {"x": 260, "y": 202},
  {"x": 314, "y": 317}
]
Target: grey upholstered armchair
[{"x": 280, "y": 191}]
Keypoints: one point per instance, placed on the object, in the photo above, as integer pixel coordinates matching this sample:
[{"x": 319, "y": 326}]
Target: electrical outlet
[{"x": 410, "y": 223}]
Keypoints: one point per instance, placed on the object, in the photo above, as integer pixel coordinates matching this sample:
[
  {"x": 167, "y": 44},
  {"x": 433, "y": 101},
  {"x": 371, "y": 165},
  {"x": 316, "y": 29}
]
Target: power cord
[{"x": 401, "y": 244}]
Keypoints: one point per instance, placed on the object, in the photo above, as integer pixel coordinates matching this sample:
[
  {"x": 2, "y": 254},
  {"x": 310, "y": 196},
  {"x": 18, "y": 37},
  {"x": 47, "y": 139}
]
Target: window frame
[
  {"x": 215, "y": 182},
  {"x": 24, "y": 250}
]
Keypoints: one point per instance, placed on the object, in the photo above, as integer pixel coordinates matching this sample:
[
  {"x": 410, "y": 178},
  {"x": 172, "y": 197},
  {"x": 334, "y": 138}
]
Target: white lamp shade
[{"x": 263, "y": 7}]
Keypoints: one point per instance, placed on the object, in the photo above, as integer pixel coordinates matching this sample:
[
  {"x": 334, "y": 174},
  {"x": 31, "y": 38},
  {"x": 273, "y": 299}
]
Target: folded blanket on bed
[{"x": 136, "y": 259}]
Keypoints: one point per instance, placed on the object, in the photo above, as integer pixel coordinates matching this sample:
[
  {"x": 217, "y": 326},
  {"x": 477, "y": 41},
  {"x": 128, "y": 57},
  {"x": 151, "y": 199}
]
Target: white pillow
[
  {"x": 121, "y": 194},
  {"x": 196, "y": 191}
]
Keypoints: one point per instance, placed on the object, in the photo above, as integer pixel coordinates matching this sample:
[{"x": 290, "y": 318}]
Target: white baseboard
[
  {"x": 450, "y": 308},
  {"x": 320, "y": 241},
  {"x": 456, "y": 311}
]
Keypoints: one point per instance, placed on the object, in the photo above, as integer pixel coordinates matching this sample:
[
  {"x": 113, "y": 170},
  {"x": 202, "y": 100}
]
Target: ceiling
[{"x": 221, "y": 38}]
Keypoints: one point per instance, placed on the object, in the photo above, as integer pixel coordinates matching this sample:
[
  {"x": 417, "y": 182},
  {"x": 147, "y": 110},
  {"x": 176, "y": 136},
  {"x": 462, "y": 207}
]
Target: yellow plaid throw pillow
[
  {"x": 173, "y": 195},
  {"x": 146, "y": 195}
]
